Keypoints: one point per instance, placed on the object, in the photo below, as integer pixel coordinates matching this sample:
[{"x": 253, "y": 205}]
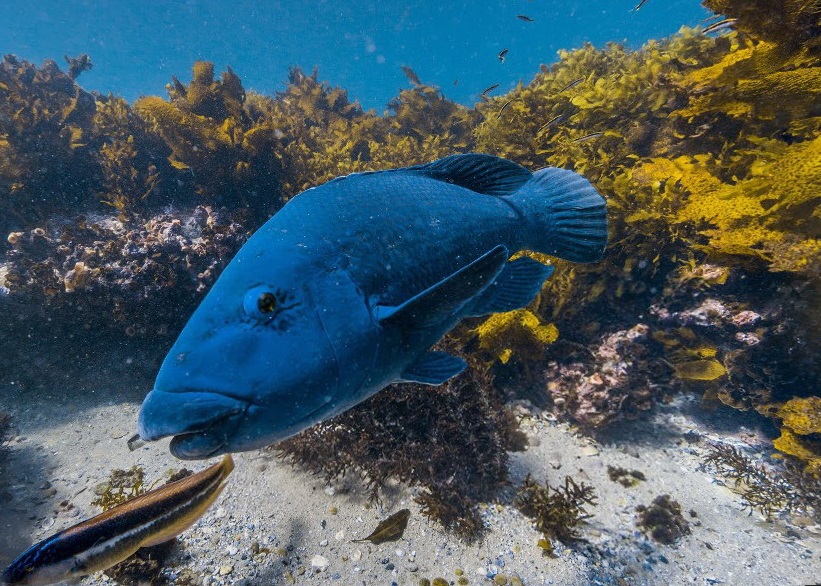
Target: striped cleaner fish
[
  {"x": 110, "y": 537},
  {"x": 347, "y": 287}
]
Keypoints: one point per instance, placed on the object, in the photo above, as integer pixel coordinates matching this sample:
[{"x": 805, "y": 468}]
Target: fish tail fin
[{"x": 566, "y": 215}]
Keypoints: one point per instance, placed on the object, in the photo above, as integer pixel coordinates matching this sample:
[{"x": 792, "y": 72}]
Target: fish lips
[{"x": 201, "y": 421}]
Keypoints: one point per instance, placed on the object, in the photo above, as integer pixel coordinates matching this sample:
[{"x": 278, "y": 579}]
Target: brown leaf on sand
[{"x": 390, "y": 529}]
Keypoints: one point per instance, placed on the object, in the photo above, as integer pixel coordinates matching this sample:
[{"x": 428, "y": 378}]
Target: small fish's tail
[{"x": 566, "y": 215}]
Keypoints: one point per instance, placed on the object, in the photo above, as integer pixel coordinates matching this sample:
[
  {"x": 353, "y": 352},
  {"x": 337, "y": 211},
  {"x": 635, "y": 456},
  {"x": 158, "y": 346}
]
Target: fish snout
[{"x": 204, "y": 416}]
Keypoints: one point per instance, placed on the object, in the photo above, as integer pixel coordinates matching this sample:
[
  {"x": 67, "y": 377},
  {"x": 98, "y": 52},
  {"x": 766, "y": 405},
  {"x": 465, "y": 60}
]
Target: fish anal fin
[
  {"x": 515, "y": 287},
  {"x": 442, "y": 301},
  {"x": 433, "y": 368},
  {"x": 480, "y": 173}
]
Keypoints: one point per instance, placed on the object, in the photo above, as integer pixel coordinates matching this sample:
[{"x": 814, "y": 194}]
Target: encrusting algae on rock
[{"x": 801, "y": 431}]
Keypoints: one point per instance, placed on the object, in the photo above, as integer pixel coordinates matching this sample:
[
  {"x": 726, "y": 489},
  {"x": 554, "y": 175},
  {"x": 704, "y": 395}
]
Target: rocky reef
[{"x": 117, "y": 217}]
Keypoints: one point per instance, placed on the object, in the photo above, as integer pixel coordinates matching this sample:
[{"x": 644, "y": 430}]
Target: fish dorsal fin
[
  {"x": 433, "y": 368},
  {"x": 480, "y": 173},
  {"x": 443, "y": 300}
]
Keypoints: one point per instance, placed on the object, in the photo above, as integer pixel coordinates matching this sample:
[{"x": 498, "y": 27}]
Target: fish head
[{"x": 254, "y": 365}]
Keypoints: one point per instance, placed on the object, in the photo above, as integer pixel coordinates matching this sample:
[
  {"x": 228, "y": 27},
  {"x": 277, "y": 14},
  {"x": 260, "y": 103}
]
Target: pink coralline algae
[{"x": 619, "y": 378}]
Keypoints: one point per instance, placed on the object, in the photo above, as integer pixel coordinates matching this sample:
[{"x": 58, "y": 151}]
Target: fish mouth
[{"x": 200, "y": 421}]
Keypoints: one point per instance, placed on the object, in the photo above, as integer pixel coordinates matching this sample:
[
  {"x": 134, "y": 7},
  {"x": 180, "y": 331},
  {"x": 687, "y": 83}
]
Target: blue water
[{"x": 137, "y": 46}]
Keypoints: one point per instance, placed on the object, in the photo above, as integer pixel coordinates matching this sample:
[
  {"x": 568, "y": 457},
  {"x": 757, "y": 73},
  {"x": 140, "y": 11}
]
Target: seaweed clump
[
  {"x": 45, "y": 165},
  {"x": 216, "y": 149},
  {"x": 663, "y": 520},
  {"x": 625, "y": 477},
  {"x": 793, "y": 23},
  {"x": 556, "y": 511},
  {"x": 121, "y": 486},
  {"x": 787, "y": 490},
  {"x": 450, "y": 440}
]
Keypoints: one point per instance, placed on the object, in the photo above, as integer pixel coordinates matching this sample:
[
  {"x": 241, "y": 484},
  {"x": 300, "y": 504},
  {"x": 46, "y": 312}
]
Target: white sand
[{"x": 74, "y": 447}]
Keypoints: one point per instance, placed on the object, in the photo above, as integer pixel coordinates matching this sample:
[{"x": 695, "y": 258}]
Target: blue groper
[{"x": 347, "y": 287}]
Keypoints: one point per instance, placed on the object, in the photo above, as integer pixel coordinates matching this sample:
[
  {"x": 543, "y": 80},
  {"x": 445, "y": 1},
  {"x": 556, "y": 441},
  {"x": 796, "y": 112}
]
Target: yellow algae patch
[
  {"x": 802, "y": 415},
  {"x": 702, "y": 370},
  {"x": 804, "y": 449},
  {"x": 801, "y": 420},
  {"x": 515, "y": 332}
]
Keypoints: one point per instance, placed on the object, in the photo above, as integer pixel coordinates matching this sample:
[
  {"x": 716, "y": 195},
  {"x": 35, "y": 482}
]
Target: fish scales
[
  {"x": 347, "y": 287},
  {"x": 444, "y": 224}
]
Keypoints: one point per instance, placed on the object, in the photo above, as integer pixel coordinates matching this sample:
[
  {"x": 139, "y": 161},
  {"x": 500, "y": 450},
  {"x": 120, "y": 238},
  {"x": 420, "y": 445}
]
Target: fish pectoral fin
[
  {"x": 515, "y": 287},
  {"x": 433, "y": 368},
  {"x": 480, "y": 173},
  {"x": 442, "y": 301}
]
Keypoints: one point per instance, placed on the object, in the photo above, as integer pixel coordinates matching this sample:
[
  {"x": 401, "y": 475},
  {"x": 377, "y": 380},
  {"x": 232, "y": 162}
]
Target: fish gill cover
[{"x": 708, "y": 149}]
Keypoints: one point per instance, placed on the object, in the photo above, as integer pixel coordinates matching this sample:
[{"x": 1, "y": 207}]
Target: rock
[
  {"x": 320, "y": 562},
  {"x": 589, "y": 450}
]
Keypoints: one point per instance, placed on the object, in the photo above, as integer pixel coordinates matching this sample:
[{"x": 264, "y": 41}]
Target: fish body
[
  {"x": 488, "y": 89},
  {"x": 411, "y": 75},
  {"x": 345, "y": 289},
  {"x": 107, "y": 539}
]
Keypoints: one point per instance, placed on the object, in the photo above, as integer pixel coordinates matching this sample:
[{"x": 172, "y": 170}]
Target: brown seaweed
[
  {"x": 663, "y": 520},
  {"x": 556, "y": 511}
]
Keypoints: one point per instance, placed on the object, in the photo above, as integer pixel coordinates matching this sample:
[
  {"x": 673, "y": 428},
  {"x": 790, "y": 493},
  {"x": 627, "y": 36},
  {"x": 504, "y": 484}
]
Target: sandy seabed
[{"x": 64, "y": 445}]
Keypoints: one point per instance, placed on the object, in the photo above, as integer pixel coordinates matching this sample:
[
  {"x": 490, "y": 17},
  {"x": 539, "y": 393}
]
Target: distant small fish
[
  {"x": 524, "y": 17},
  {"x": 551, "y": 122},
  {"x": 712, "y": 18},
  {"x": 640, "y": 4},
  {"x": 587, "y": 137},
  {"x": 390, "y": 529},
  {"x": 499, "y": 115},
  {"x": 571, "y": 85},
  {"x": 502, "y": 55},
  {"x": 487, "y": 90},
  {"x": 107, "y": 539},
  {"x": 455, "y": 82},
  {"x": 411, "y": 75},
  {"x": 726, "y": 23}
]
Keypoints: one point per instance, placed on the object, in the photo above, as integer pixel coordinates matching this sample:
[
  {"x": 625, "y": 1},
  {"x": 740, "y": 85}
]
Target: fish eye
[
  {"x": 267, "y": 305},
  {"x": 262, "y": 303},
  {"x": 267, "y": 302}
]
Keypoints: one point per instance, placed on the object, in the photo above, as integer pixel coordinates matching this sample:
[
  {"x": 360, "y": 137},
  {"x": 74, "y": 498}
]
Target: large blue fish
[{"x": 347, "y": 287}]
